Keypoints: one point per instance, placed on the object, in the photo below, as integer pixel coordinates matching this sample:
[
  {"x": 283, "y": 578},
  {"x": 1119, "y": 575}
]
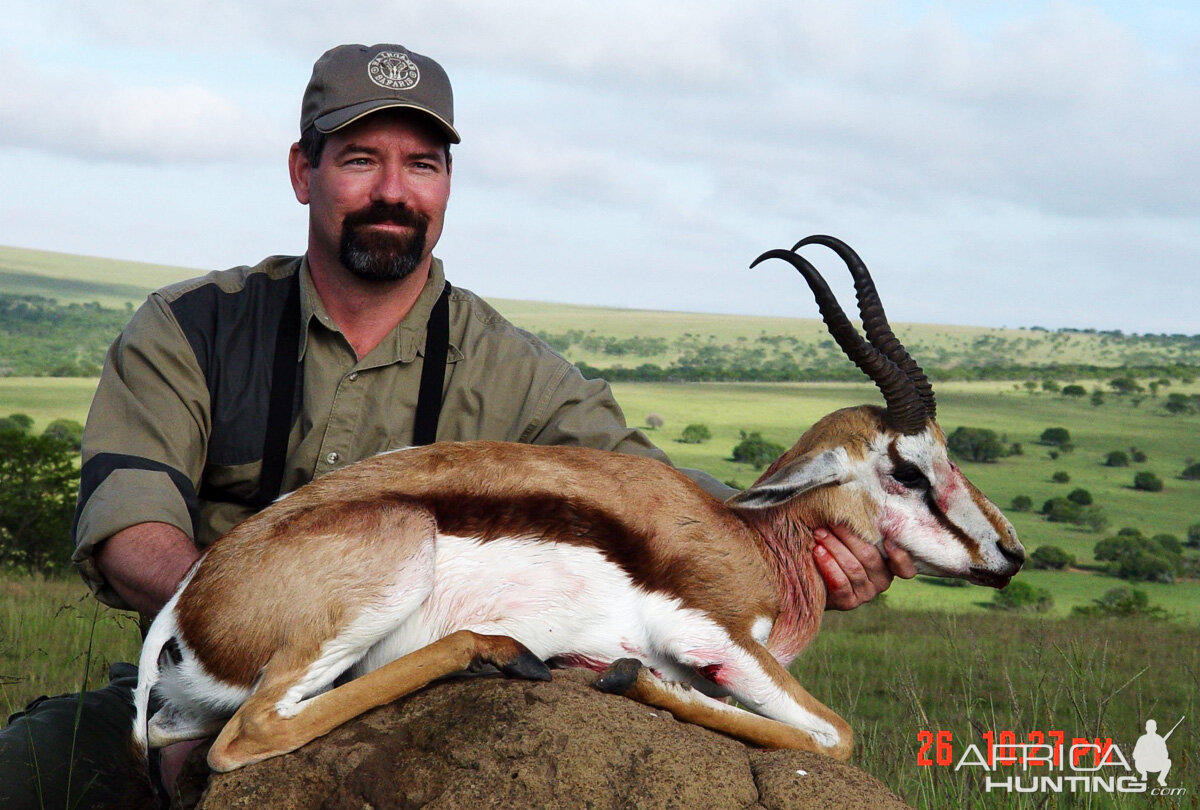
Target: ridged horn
[
  {"x": 905, "y": 410},
  {"x": 875, "y": 322}
]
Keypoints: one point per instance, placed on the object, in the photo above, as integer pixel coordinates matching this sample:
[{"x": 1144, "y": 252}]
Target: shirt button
[
  {"x": 332, "y": 458},
  {"x": 353, "y": 376}
]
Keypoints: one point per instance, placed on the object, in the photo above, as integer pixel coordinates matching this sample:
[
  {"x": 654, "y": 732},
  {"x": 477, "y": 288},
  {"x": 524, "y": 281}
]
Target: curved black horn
[
  {"x": 905, "y": 409},
  {"x": 875, "y": 322}
]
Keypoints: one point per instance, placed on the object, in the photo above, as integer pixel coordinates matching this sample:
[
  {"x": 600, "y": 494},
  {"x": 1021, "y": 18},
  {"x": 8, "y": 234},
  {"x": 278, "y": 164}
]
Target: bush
[
  {"x": 1147, "y": 482},
  {"x": 1018, "y": 595},
  {"x": 1061, "y": 477},
  {"x": 1193, "y": 536},
  {"x": 654, "y": 421},
  {"x": 1122, "y": 603},
  {"x": 1080, "y": 496},
  {"x": 1137, "y": 456},
  {"x": 756, "y": 451},
  {"x": 68, "y": 431},
  {"x": 1074, "y": 391},
  {"x": 1117, "y": 458},
  {"x": 976, "y": 444},
  {"x": 1060, "y": 510},
  {"x": 1022, "y": 503},
  {"x": 16, "y": 423},
  {"x": 1191, "y": 472},
  {"x": 1131, "y": 556},
  {"x": 1056, "y": 435},
  {"x": 1050, "y": 557},
  {"x": 694, "y": 434},
  {"x": 38, "y": 480}
]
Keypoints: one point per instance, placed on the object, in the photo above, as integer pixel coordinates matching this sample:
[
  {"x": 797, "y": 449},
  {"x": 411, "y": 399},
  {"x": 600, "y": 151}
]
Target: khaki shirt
[{"x": 181, "y": 408}]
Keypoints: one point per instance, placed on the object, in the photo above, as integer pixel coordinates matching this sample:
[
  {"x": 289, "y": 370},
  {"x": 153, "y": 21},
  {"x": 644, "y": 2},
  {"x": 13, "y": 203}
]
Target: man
[{"x": 225, "y": 391}]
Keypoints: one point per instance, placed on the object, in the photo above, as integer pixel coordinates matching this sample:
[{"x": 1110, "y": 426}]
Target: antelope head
[{"x": 884, "y": 472}]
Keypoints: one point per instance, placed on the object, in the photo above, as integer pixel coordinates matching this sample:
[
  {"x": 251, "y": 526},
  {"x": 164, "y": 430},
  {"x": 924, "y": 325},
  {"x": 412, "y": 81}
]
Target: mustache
[{"x": 380, "y": 212}]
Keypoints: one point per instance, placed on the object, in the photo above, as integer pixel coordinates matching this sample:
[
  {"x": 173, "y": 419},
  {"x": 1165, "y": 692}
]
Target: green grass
[
  {"x": 892, "y": 674},
  {"x": 47, "y": 398},
  {"x": 82, "y": 279},
  {"x": 44, "y": 629}
]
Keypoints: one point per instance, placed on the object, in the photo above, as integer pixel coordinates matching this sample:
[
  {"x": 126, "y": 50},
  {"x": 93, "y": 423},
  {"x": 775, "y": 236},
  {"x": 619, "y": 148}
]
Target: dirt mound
[{"x": 493, "y": 743}]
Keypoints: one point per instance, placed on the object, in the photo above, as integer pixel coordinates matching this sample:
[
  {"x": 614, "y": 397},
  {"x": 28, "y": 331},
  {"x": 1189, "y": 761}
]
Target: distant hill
[{"x": 58, "y": 312}]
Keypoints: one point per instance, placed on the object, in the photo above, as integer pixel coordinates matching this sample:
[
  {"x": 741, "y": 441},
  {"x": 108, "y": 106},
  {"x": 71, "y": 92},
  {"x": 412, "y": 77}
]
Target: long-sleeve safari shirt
[{"x": 182, "y": 405}]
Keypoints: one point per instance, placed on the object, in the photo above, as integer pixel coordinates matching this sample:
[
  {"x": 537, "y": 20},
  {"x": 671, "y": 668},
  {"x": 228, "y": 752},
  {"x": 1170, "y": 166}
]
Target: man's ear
[
  {"x": 799, "y": 475},
  {"x": 300, "y": 171}
]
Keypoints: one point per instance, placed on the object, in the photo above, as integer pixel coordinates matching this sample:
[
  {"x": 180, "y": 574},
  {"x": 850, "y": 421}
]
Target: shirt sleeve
[
  {"x": 577, "y": 411},
  {"x": 145, "y": 439}
]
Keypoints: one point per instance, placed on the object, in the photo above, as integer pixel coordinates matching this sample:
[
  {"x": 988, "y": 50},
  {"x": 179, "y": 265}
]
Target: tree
[
  {"x": 1193, "y": 536},
  {"x": 1056, "y": 436},
  {"x": 756, "y": 451},
  {"x": 1191, "y": 472},
  {"x": 1179, "y": 404},
  {"x": 1074, "y": 391},
  {"x": 1117, "y": 458},
  {"x": 37, "y": 502},
  {"x": 1147, "y": 482},
  {"x": 1050, "y": 557},
  {"x": 1018, "y": 595},
  {"x": 1125, "y": 385},
  {"x": 976, "y": 444},
  {"x": 655, "y": 421},
  {"x": 1060, "y": 510},
  {"x": 1061, "y": 477},
  {"x": 1022, "y": 503},
  {"x": 694, "y": 434},
  {"x": 1097, "y": 398},
  {"x": 1137, "y": 456},
  {"x": 1051, "y": 387}
]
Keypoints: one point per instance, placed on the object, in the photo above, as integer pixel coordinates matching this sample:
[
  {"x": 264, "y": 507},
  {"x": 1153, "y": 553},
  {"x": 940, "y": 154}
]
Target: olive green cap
[{"x": 351, "y": 81}]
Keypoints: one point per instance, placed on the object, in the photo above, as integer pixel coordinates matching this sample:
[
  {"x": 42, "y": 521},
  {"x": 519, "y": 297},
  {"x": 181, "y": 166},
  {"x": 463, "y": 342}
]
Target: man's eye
[{"x": 910, "y": 475}]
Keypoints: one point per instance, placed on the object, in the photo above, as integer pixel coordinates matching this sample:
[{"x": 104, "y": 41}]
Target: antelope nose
[{"x": 1013, "y": 555}]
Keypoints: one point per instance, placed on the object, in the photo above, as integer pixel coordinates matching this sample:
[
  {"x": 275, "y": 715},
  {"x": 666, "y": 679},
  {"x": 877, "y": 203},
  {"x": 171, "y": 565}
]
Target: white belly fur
[{"x": 555, "y": 598}]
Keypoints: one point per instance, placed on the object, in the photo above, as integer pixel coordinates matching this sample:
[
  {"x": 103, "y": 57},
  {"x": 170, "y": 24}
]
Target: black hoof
[
  {"x": 527, "y": 666},
  {"x": 620, "y": 676}
]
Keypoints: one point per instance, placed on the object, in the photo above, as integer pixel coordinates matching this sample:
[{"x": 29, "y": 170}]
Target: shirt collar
[{"x": 404, "y": 342}]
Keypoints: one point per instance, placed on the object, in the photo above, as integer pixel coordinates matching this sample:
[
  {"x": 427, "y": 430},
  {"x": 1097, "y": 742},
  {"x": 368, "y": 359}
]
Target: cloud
[{"x": 90, "y": 114}]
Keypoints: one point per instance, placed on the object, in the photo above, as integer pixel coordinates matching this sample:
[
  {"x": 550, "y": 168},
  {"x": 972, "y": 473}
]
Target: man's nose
[{"x": 391, "y": 185}]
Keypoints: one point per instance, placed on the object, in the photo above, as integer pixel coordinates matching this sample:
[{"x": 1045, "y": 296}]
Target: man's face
[{"x": 377, "y": 198}]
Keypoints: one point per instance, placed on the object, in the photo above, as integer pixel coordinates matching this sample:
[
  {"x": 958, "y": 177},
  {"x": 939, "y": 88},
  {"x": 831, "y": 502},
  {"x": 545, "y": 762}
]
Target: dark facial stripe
[{"x": 970, "y": 543}]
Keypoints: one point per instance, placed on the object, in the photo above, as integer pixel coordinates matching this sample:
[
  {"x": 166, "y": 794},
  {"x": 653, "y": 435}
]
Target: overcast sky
[{"x": 1015, "y": 163}]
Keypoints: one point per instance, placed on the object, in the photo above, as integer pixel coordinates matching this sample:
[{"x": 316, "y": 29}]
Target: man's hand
[{"x": 855, "y": 572}]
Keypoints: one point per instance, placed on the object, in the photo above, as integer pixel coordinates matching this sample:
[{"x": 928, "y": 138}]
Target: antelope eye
[{"x": 910, "y": 475}]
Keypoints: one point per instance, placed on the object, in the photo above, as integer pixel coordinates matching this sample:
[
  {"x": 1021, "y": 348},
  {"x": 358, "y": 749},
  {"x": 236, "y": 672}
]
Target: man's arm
[
  {"x": 143, "y": 452},
  {"x": 144, "y": 564}
]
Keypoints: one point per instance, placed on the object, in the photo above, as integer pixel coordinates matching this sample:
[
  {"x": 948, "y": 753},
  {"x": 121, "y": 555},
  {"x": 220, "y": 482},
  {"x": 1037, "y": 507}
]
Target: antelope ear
[{"x": 799, "y": 475}]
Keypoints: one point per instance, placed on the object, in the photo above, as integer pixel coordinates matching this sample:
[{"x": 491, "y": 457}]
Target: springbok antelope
[{"x": 374, "y": 580}]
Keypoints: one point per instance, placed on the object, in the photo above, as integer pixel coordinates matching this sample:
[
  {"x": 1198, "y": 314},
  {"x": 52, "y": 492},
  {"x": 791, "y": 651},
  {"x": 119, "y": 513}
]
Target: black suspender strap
[
  {"x": 433, "y": 371},
  {"x": 283, "y": 392},
  {"x": 283, "y": 398}
]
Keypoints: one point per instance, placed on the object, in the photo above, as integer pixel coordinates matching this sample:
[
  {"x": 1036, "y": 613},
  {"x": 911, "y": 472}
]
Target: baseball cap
[{"x": 351, "y": 81}]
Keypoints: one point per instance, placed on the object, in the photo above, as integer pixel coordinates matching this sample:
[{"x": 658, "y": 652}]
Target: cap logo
[{"x": 393, "y": 70}]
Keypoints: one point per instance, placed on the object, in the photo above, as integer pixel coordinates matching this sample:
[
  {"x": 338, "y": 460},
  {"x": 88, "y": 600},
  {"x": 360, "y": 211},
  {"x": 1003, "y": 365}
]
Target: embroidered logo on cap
[{"x": 393, "y": 70}]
